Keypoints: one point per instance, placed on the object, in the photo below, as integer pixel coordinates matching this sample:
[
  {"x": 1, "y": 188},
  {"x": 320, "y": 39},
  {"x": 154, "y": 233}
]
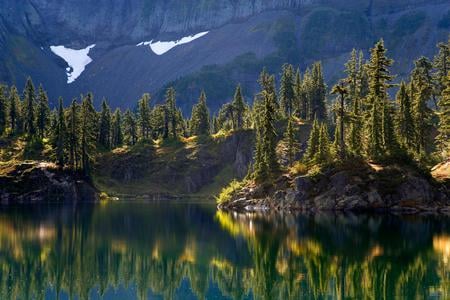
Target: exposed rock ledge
[
  {"x": 366, "y": 187},
  {"x": 32, "y": 182}
]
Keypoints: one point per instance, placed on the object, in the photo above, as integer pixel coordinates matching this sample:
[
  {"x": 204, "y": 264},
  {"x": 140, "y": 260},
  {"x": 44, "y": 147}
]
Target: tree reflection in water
[{"x": 123, "y": 250}]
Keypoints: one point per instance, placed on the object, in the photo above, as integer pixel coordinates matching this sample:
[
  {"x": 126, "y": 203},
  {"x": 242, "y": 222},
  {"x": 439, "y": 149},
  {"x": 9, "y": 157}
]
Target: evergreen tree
[
  {"x": 323, "y": 150},
  {"x": 130, "y": 126},
  {"x": 239, "y": 108},
  {"x": 73, "y": 139},
  {"x": 14, "y": 111},
  {"x": 443, "y": 138},
  {"x": 171, "y": 112},
  {"x": 60, "y": 135},
  {"x": 267, "y": 83},
  {"x": 287, "y": 95},
  {"x": 200, "y": 117},
  {"x": 342, "y": 90},
  {"x": 290, "y": 141},
  {"x": 301, "y": 101},
  {"x": 404, "y": 118},
  {"x": 352, "y": 71},
  {"x": 318, "y": 100},
  {"x": 3, "y": 109},
  {"x": 144, "y": 116},
  {"x": 313, "y": 141},
  {"x": 388, "y": 132},
  {"x": 29, "y": 106},
  {"x": 441, "y": 63},
  {"x": 308, "y": 94},
  {"x": 104, "y": 137},
  {"x": 379, "y": 82},
  {"x": 88, "y": 134},
  {"x": 117, "y": 135},
  {"x": 43, "y": 112},
  {"x": 355, "y": 131}
]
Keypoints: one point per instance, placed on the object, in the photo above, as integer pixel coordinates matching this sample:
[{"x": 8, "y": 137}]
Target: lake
[{"x": 182, "y": 250}]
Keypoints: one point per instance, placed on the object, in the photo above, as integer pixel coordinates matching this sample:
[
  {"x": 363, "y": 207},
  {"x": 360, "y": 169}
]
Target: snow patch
[
  {"x": 159, "y": 48},
  {"x": 76, "y": 59}
]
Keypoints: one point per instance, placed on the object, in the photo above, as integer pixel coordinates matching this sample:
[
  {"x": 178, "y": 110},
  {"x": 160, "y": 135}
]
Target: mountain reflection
[{"x": 141, "y": 251}]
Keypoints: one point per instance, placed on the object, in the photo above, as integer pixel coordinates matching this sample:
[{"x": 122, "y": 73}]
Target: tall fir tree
[
  {"x": 60, "y": 135},
  {"x": 117, "y": 135},
  {"x": 239, "y": 108},
  {"x": 130, "y": 128},
  {"x": 267, "y": 83},
  {"x": 318, "y": 101},
  {"x": 144, "y": 116},
  {"x": 342, "y": 91},
  {"x": 287, "y": 94},
  {"x": 443, "y": 138},
  {"x": 404, "y": 119},
  {"x": 29, "y": 108},
  {"x": 313, "y": 141},
  {"x": 200, "y": 117},
  {"x": 441, "y": 64},
  {"x": 88, "y": 134},
  {"x": 301, "y": 101},
  {"x": 379, "y": 82},
  {"x": 73, "y": 138},
  {"x": 104, "y": 137},
  {"x": 43, "y": 112},
  {"x": 3, "y": 110},
  {"x": 15, "y": 118},
  {"x": 323, "y": 154},
  {"x": 171, "y": 112},
  {"x": 290, "y": 141}
]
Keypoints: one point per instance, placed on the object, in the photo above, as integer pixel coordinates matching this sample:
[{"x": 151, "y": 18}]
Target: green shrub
[{"x": 228, "y": 192}]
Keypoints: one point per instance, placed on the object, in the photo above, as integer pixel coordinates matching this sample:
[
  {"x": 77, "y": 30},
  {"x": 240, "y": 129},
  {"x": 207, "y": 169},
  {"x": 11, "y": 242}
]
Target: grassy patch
[{"x": 230, "y": 191}]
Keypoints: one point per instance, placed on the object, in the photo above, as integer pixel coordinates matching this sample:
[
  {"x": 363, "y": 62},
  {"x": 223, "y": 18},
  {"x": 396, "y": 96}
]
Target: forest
[{"x": 359, "y": 117}]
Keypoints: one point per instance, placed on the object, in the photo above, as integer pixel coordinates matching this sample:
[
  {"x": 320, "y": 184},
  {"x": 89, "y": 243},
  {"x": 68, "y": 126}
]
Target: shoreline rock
[{"x": 364, "y": 188}]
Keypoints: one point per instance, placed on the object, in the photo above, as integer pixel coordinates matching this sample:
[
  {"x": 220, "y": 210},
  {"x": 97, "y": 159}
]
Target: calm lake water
[{"x": 189, "y": 251}]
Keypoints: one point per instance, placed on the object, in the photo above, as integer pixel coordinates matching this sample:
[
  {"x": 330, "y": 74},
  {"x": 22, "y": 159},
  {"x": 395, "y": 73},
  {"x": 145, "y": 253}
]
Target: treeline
[{"x": 368, "y": 123}]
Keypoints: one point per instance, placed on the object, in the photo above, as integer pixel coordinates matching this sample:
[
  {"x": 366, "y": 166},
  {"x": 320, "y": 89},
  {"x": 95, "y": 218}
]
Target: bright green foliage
[
  {"x": 15, "y": 117},
  {"x": 29, "y": 102},
  {"x": 73, "y": 138},
  {"x": 379, "y": 82},
  {"x": 200, "y": 117},
  {"x": 117, "y": 135},
  {"x": 88, "y": 134},
  {"x": 287, "y": 94},
  {"x": 3, "y": 108},
  {"x": 60, "y": 135},
  {"x": 144, "y": 116},
  {"x": 404, "y": 119},
  {"x": 290, "y": 141},
  {"x": 43, "y": 112},
  {"x": 130, "y": 128},
  {"x": 104, "y": 136},
  {"x": 313, "y": 141},
  {"x": 443, "y": 138}
]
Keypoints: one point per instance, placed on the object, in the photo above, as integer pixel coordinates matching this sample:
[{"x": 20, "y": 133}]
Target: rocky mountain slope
[{"x": 243, "y": 36}]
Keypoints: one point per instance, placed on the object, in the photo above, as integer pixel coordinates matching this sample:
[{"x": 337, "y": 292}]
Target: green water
[{"x": 189, "y": 251}]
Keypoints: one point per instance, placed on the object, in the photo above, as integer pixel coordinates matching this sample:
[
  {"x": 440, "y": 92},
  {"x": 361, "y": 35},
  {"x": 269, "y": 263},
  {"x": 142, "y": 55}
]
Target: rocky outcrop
[
  {"x": 32, "y": 182},
  {"x": 356, "y": 188}
]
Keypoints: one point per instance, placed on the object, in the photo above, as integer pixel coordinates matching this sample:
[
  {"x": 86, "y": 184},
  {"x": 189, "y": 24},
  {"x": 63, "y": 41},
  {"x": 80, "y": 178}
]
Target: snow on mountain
[
  {"x": 159, "y": 48},
  {"x": 76, "y": 59}
]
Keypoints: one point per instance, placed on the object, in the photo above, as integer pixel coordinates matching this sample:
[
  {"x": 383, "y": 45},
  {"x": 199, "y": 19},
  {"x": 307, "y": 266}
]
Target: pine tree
[
  {"x": 267, "y": 83},
  {"x": 60, "y": 135},
  {"x": 379, "y": 82},
  {"x": 104, "y": 137},
  {"x": 389, "y": 140},
  {"x": 287, "y": 95},
  {"x": 443, "y": 138},
  {"x": 3, "y": 108},
  {"x": 404, "y": 118},
  {"x": 144, "y": 116},
  {"x": 117, "y": 135},
  {"x": 171, "y": 112},
  {"x": 355, "y": 131},
  {"x": 323, "y": 153},
  {"x": 73, "y": 124},
  {"x": 200, "y": 117},
  {"x": 239, "y": 108},
  {"x": 301, "y": 101},
  {"x": 318, "y": 101},
  {"x": 43, "y": 112},
  {"x": 342, "y": 90},
  {"x": 15, "y": 122},
  {"x": 29, "y": 106},
  {"x": 88, "y": 134},
  {"x": 352, "y": 71},
  {"x": 130, "y": 126},
  {"x": 290, "y": 141},
  {"x": 441, "y": 64},
  {"x": 308, "y": 94},
  {"x": 313, "y": 141}
]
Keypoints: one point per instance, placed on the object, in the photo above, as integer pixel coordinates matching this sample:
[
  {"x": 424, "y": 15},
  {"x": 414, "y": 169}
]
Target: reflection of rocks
[
  {"x": 357, "y": 188},
  {"x": 37, "y": 182}
]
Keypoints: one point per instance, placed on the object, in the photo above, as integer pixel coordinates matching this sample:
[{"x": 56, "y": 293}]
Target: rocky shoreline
[
  {"x": 365, "y": 188},
  {"x": 41, "y": 182}
]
